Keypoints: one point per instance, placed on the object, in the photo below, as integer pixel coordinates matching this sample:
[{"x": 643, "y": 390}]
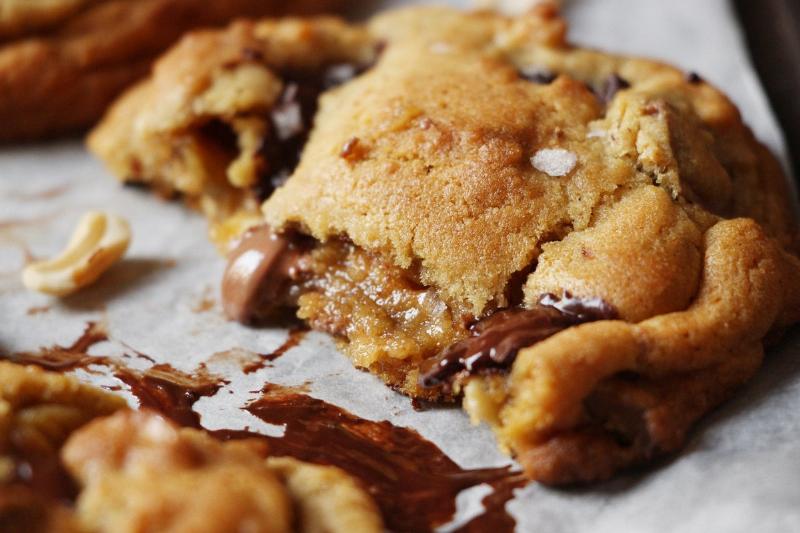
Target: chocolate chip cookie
[
  {"x": 590, "y": 250},
  {"x": 63, "y": 61}
]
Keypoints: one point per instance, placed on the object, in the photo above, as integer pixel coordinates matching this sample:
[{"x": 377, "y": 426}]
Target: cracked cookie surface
[{"x": 483, "y": 165}]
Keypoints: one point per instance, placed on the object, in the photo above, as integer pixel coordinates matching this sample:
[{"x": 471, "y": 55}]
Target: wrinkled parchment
[{"x": 739, "y": 472}]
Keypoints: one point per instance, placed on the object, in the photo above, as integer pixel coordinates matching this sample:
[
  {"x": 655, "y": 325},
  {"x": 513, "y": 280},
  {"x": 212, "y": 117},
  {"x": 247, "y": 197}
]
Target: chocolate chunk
[
  {"x": 581, "y": 309},
  {"x": 259, "y": 272},
  {"x": 694, "y": 78},
  {"x": 538, "y": 75},
  {"x": 613, "y": 84},
  {"x": 496, "y": 340}
]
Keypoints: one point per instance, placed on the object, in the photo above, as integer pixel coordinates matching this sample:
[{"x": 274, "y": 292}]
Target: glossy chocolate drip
[
  {"x": 259, "y": 272},
  {"x": 496, "y": 340},
  {"x": 170, "y": 392},
  {"x": 65, "y": 358},
  {"x": 413, "y": 482},
  {"x": 295, "y": 336},
  {"x": 495, "y": 518}
]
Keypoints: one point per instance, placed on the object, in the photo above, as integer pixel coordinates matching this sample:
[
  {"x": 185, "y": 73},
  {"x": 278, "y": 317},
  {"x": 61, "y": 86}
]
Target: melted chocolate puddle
[
  {"x": 296, "y": 335},
  {"x": 413, "y": 482}
]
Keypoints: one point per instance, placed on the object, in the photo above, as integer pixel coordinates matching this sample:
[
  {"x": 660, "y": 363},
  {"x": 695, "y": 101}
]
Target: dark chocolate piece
[
  {"x": 496, "y": 340},
  {"x": 538, "y": 75},
  {"x": 613, "y": 84},
  {"x": 694, "y": 78},
  {"x": 259, "y": 272}
]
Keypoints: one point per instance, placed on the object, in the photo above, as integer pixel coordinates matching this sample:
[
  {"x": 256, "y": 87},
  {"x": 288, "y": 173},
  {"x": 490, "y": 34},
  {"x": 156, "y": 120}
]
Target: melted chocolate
[
  {"x": 295, "y": 336},
  {"x": 259, "y": 271},
  {"x": 161, "y": 387},
  {"x": 496, "y": 340},
  {"x": 291, "y": 119},
  {"x": 413, "y": 482},
  {"x": 170, "y": 392}
]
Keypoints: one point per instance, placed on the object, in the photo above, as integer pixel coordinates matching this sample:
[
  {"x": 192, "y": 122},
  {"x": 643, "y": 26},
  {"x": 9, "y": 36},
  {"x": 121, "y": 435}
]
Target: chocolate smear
[
  {"x": 413, "y": 482},
  {"x": 497, "y": 339},
  {"x": 296, "y": 335}
]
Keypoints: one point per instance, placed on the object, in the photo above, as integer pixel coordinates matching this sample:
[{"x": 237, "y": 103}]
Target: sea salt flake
[
  {"x": 596, "y": 133},
  {"x": 554, "y": 161}
]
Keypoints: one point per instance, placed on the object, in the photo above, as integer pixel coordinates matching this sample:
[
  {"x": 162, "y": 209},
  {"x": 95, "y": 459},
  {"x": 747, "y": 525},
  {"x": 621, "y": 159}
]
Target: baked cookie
[
  {"x": 590, "y": 248},
  {"x": 63, "y": 441},
  {"x": 63, "y": 61}
]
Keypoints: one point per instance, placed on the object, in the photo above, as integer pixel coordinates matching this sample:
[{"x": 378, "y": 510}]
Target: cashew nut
[{"x": 99, "y": 241}]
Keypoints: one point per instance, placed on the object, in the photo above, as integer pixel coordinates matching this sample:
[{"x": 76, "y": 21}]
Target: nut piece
[{"x": 98, "y": 242}]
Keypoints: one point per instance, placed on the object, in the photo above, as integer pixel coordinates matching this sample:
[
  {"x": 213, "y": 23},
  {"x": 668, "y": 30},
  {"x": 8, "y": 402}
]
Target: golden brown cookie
[
  {"x": 63, "y": 61},
  {"x": 591, "y": 248}
]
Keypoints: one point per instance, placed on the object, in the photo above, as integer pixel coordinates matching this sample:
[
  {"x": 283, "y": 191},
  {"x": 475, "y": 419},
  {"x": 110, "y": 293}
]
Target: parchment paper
[{"x": 740, "y": 471}]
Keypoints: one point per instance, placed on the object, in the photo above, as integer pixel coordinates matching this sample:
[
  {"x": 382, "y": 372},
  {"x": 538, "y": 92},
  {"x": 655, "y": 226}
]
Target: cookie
[
  {"x": 138, "y": 471},
  {"x": 74, "y": 458},
  {"x": 589, "y": 249},
  {"x": 63, "y": 61}
]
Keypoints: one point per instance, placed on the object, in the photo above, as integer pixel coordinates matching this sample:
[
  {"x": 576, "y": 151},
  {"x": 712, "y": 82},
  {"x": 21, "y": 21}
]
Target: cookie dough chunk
[
  {"x": 590, "y": 248},
  {"x": 140, "y": 472},
  {"x": 63, "y": 61}
]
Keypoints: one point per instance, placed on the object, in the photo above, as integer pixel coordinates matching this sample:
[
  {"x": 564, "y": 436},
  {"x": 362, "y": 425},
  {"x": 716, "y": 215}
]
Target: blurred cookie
[
  {"x": 139, "y": 472},
  {"x": 63, "y": 61}
]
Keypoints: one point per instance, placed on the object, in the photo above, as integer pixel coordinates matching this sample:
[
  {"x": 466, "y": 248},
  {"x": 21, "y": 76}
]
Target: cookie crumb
[{"x": 554, "y": 161}]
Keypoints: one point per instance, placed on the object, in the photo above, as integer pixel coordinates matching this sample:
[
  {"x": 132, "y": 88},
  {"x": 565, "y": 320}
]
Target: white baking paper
[{"x": 739, "y": 472}]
